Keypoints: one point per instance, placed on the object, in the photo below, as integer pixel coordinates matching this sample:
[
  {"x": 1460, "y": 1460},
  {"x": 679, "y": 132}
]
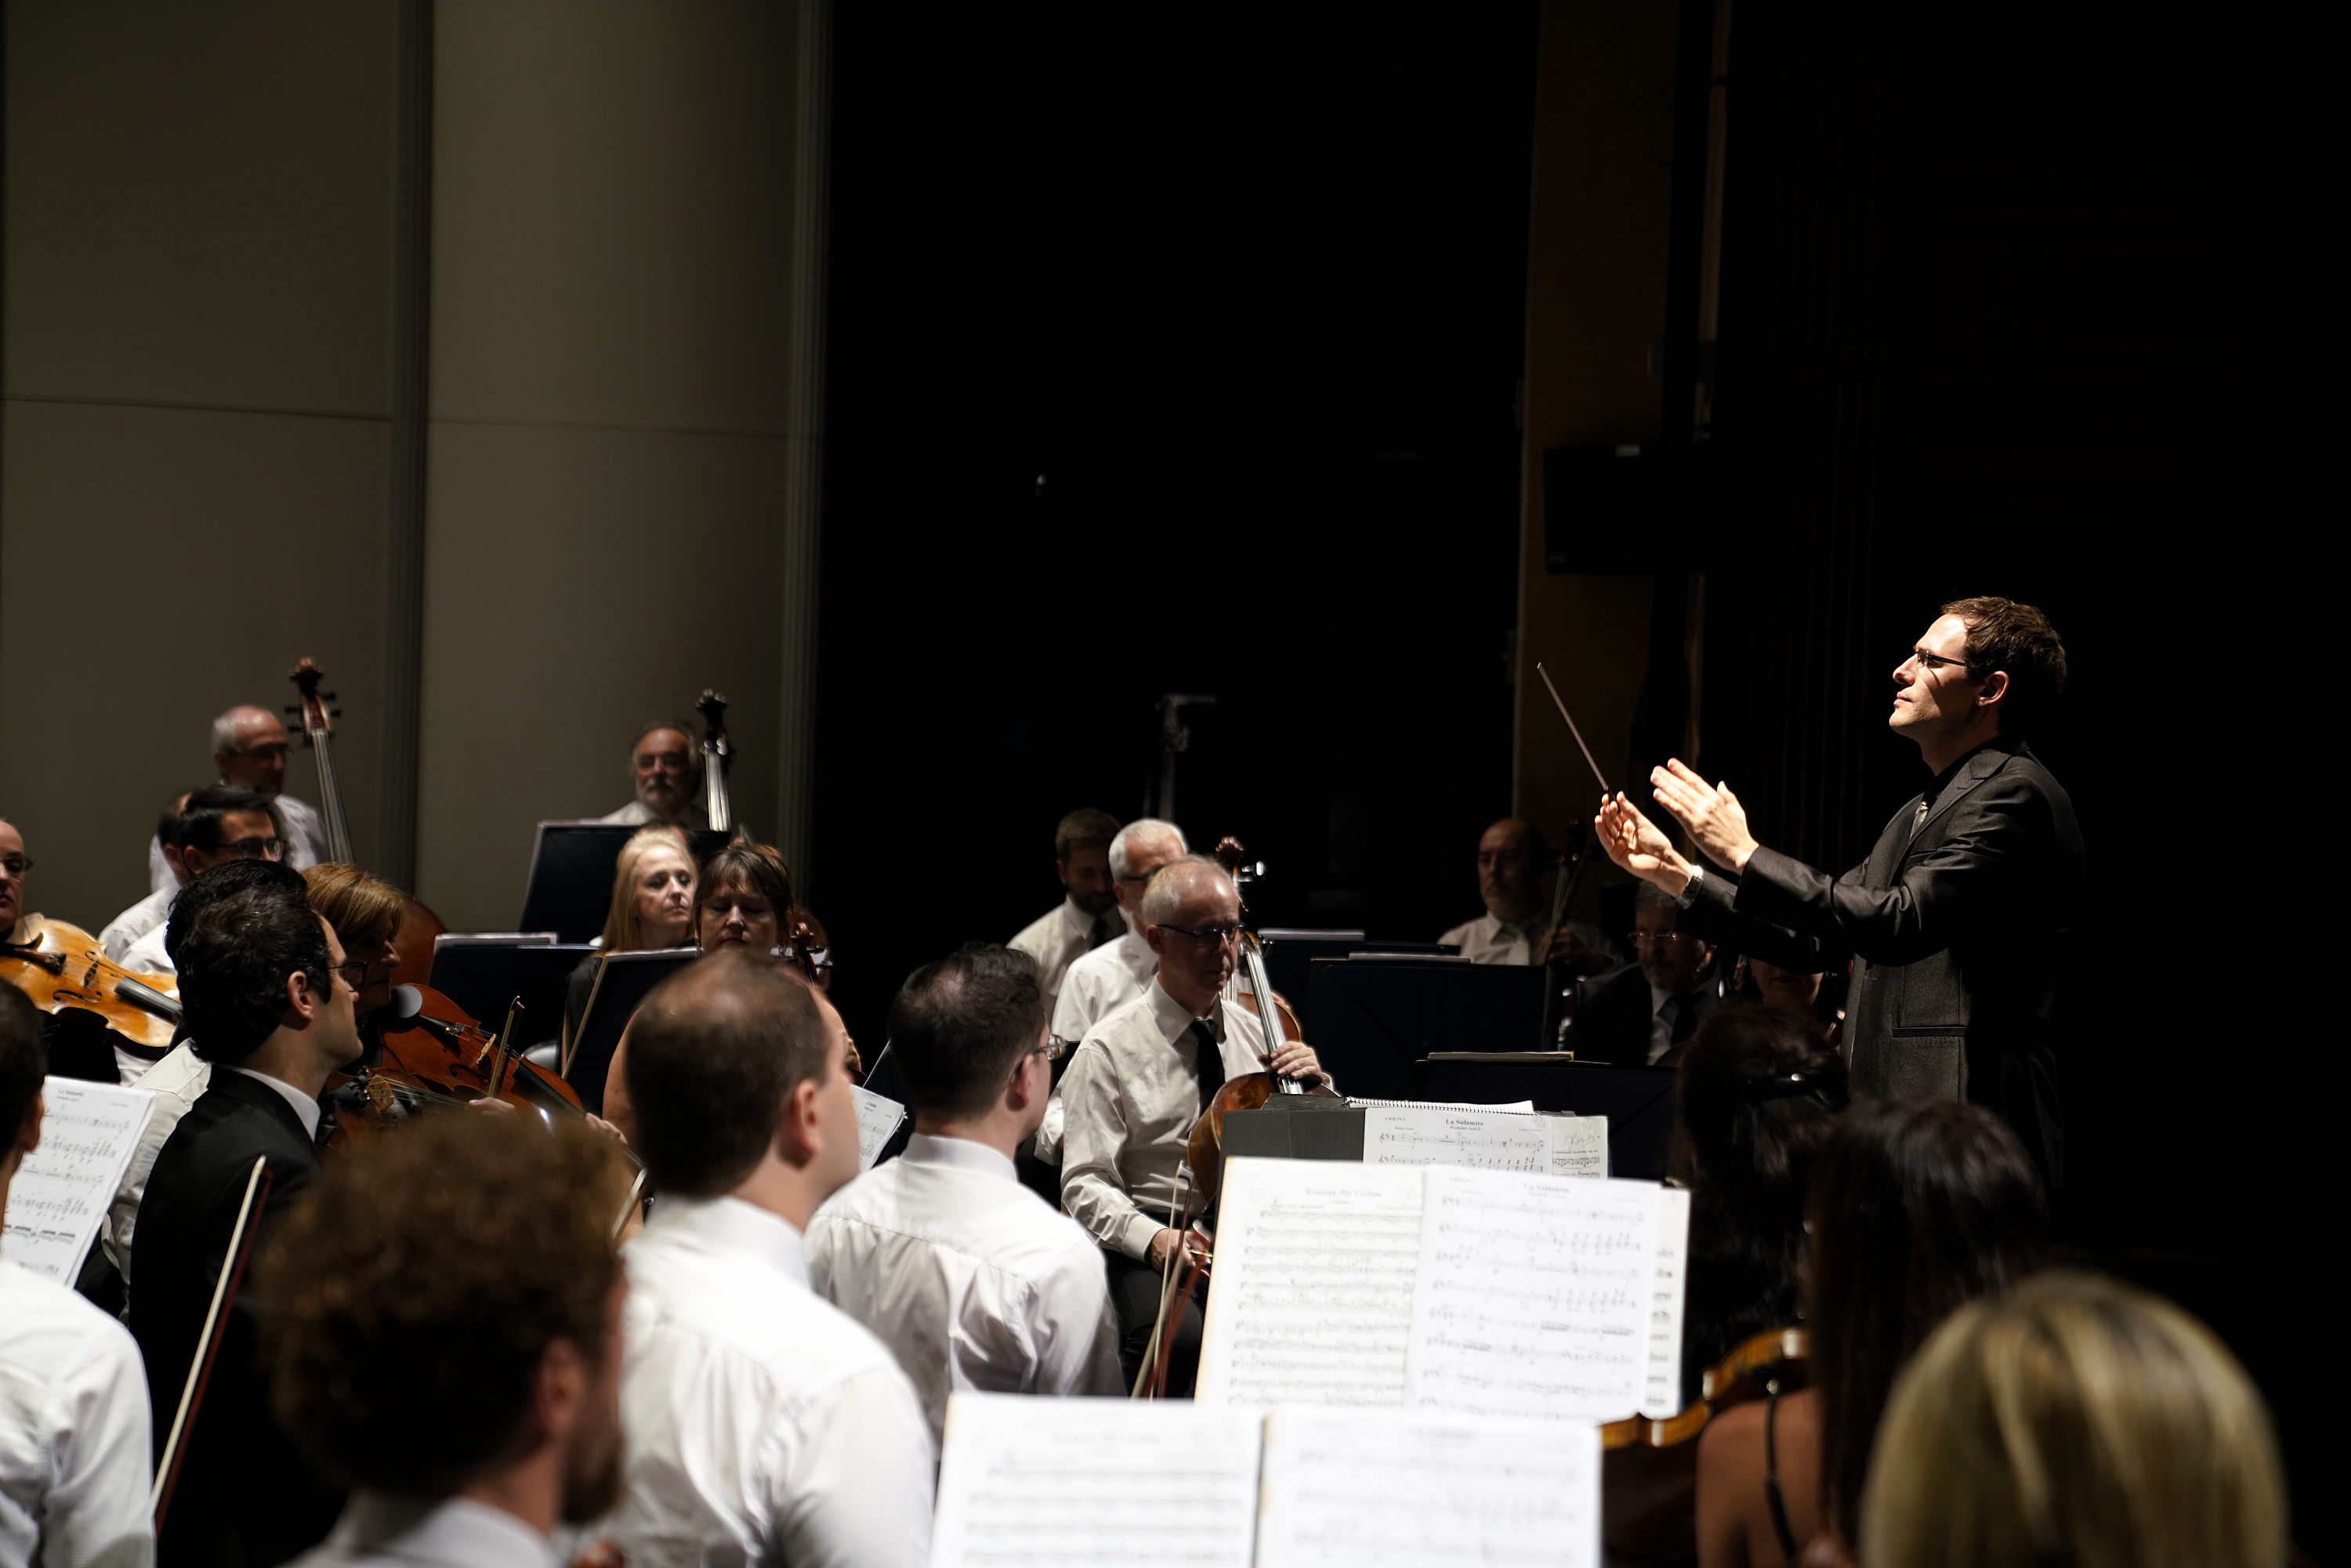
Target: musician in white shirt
[
  {"x": 249, "y": 747},
  {"x": 972, "y": 1279},
  {"x": 75, "y": 1449},
  {"x": 765, "y": 1424},
  {"x": 665, "y": 767},
  {"x": 1115, "y": 973},
  {"x": 217, "y": 826},
  {"x": 458, "y": 1360},
  {"x": 1141, "y": 1077},
  {"x": 1087, "y": 916},
  {"x": 1516, "y": 866}
]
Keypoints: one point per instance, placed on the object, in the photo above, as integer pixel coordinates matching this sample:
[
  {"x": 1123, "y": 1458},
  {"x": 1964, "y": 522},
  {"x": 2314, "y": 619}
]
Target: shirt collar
[
  {"x": 729, "y": 1225},
  {"x": 304, "y": 1106},
  {"x": 456, "y": 1530},
  {"x": 1174, "y": 1018},
  {"x": 958, "y": 1154}
]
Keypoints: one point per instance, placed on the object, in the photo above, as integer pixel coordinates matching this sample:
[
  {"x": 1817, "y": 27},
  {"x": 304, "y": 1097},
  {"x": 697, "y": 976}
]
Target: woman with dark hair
[
  {"x": 1916, "y": 1209},
  {"x": 745, "y": 897},
  {"x": 1757, "y": 1093}
]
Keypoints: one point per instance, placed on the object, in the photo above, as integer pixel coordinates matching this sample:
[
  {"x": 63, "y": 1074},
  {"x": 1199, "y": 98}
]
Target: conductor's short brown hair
[
  {"x": 2018, "y": 640},
  {"x": 416, "y": 1289},
  {"x": 1086, "y": 827},
  {"x": 713, "y": 1054}
]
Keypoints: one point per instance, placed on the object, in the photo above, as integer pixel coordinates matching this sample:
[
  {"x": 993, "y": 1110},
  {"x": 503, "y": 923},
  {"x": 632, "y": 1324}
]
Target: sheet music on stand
[
  {"x": 1486, "y": 1137},
  {"x": 878, "y": 1117},
  {"x": 1113, "y": 1483},
  {"x": 1435, "y": 1288},
  {"x": 58, "y": 1202}
]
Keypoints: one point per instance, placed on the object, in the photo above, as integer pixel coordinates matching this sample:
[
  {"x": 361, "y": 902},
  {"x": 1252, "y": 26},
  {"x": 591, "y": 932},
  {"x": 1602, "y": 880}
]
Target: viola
[
  {"x": 412, "y": 945},
  {"x": 1763, "y": 1365},
  {"x": 805, "y": 945},
  {"x": 65, "y": 967},
  {"x": 436, "y": 1054}
]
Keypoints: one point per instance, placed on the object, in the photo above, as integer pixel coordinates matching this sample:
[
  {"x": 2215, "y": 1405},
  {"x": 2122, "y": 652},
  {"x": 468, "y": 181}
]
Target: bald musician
[
  {"x": 1517, "y": 869},
  {"x": 249, "y": 747},
  {"x": 20, "y": 926},
  {"x": 1140, "y": 1080},
  {"x": 665, "y": 769}
]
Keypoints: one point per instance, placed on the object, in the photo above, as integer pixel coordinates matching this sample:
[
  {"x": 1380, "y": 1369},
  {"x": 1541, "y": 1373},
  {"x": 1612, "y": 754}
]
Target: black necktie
[
  {"x": 1685, "y": 1008},
  {"x": 1105, "y": 930},
  {"x": 1208, "y": 1062}
]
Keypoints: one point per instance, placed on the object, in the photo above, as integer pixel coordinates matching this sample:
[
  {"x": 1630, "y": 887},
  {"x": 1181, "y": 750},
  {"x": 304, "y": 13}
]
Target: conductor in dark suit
[
  {"x": 269, "y": 1003},
  {"x": 1959, "y": 918}
]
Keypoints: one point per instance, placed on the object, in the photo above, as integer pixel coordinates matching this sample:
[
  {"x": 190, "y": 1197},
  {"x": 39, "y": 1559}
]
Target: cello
[{"x": 419, "y": 926}]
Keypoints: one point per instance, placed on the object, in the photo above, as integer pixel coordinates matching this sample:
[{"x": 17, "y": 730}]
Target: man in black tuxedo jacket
[
  {"x": 1959, "y": 919},
  {"x": 269, "y": 1003}
]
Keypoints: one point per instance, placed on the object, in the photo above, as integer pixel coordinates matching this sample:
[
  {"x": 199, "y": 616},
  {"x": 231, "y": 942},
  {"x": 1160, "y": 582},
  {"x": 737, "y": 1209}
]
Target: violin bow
[
  {"x": 200, "y": 1370},
  {"x": 587, "y": 1011}
]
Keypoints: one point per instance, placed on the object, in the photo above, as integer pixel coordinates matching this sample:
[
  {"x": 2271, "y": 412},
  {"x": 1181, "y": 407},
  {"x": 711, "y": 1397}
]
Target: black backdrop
[{"x": 1250, "y": 301}]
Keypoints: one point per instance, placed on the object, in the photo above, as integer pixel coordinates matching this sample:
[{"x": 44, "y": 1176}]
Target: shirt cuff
[
  {"x": 1134, "y": 1236},
  {"x": 1690, "y": 889}
]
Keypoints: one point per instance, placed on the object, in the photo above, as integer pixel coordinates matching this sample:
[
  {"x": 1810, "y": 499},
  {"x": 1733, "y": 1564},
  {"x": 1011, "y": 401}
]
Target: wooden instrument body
[
  {"x": 64, "y": 966},
  {"x": 452, "y": 1065}
]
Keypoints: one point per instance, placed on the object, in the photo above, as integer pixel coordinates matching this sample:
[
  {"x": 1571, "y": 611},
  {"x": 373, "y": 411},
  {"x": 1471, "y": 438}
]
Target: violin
[
  {"x": 805, "y": 946},
  {"x": 65, "y": 967},
  {"x": 1762, "y": 1365},
  {"x": 436, "y": 1054},
  {"x": 1247, "y": 1091},
  {"x": 419, "y": 926}
]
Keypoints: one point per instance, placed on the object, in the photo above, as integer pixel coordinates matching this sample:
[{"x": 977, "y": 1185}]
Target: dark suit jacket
[
  {"x": 245, "y": 1495},
  {"x": 1959, "y": 930},
  {"x": 1613, "y": 1017}
]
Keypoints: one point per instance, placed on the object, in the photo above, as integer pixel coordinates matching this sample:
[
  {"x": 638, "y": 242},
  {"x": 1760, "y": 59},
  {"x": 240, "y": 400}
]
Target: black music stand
[
  {"x": 484, "y": 972},
  {"x": 571, "y": 864},
  {"x": 1376, "y": 1015},
  {"x": 628, "y": 976},
  {"x": 1289, "y": 957},
  {"x": 1637, "y": 1101}
]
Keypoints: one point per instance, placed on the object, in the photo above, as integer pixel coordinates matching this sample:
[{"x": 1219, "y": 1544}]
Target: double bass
[{"x": 419, "y": 926}]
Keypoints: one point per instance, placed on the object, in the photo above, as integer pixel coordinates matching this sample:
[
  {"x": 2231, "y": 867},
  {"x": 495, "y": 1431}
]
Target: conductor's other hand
[
  {"x": 1710, "y": 813},
  {"x": 1634, "y": 842}
]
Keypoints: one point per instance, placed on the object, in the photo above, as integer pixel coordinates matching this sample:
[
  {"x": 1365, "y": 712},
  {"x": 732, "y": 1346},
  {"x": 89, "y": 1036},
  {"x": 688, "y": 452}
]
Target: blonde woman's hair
[
  {"x": 364, "y": 910},
  {"x": 2077, "y": 1423},
  {"x": 621, "y": 933}
]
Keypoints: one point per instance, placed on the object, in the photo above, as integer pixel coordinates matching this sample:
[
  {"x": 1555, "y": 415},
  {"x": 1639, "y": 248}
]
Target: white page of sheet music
[
  {"x": 1311, "y": 1298},
  {"x": 1579, "y": 1145},
  {"x": 1360, "y": 1489},
  {"x": 1664, "y": 1396},
  {"x": 1525, "y": 1106},
  {"x": 1095, "y": 1483},
  {"x": 61, "y": 1194},
  {"x": 1477, "y": 1137},
  {"x": 1534, "y": 1295},
  {"x": 877, "y": 1119}
]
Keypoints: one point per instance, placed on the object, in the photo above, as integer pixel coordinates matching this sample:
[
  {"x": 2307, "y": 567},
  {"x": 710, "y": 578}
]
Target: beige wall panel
[
  {"x": 1595, "y": 304},
  {"x": 612, "y": 213},
  {"x": 158, "y": 566},
  {"x": 578, "y": 582},
  {"x": 199, "y": 202}
]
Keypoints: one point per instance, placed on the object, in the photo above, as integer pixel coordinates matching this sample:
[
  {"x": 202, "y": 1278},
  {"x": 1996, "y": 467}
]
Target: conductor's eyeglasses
[
  {"x": 1208, "y": 934},
  {"x": 1932, "y": 662}
]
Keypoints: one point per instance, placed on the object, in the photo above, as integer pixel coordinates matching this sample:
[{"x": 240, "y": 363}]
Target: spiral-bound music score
[{"x": 58, "y": 1201}]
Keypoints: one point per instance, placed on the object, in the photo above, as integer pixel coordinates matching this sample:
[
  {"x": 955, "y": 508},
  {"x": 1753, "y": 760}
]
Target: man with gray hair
[
  {"x": 1142, "y": 1076},
  {"x": 1116, "y": 972},
  {"x": 249, "y": 746},
  {"x": 666, "y": 771}
]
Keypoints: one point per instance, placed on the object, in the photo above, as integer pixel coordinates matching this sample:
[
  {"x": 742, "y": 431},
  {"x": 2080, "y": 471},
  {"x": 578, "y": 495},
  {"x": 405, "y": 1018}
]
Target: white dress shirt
[
  {"x": 75, "y": 1453},
  {"x": 973, "y": 1281},
  {"x": 179, "y": 1080},
  {"x": 1131, "y": 1094},
  {"x": 637, "y": 814},
  {"x": 137, "y": 921},
  {"x": 1058, "y": 938},
  {"x": 1488, "y": 940},
  {"x": 765, "y": 1425},
  {"x": 378, "y": 1530},
  {"x": 148, "y": 955},
  {"x": 306, "y": 843},
  {"x": 1096, "y": 985}
]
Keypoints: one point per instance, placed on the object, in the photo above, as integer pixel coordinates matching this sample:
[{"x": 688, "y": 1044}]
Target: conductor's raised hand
[
  {"x": 1710, "y": 813},
  {"x": 1634, "y": 842}
]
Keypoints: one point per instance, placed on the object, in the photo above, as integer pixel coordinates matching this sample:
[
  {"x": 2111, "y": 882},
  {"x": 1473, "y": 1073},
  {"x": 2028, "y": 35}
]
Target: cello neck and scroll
[{"x": 317, "y": 732}]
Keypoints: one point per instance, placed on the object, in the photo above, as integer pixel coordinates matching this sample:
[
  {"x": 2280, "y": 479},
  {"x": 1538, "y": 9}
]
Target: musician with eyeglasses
[
  {"x": 250, "y": 749},
  {"x": 1141, "y": 1078},
  {"x": 1960, "y": 919},
  {"x": 217, "y": 825},
  {"x": 1644, "y": 1015}
]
